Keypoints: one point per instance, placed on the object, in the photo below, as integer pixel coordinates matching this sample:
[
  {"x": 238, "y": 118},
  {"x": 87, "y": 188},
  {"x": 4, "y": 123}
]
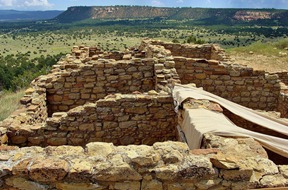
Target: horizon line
[{"x": 175, "y": 7}]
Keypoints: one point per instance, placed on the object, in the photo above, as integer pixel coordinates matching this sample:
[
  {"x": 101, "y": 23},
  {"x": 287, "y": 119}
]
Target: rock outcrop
[
  {"x": 167, "y": 165},
  {"x": 252, "y": 15}
]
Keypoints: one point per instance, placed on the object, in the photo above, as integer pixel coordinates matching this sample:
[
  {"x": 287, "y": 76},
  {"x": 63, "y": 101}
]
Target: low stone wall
[
  {"x": 283, "y": 76},
  {"x": 163, "y": 166},
  {"x": 33, "y": 109},
  {"x": 108, "y": 55},
  {"x": 121, "y": 119},
  {"x": 30, "y": 116},
  {"x": 93, "y": 53},
  {"x": 74, "y": 84},
  {"x": 82, "y": 52},
  {"x": 206, "y": 51},
  {"x": 153, "y": 50},
  {"x": 240, "y": 84}
]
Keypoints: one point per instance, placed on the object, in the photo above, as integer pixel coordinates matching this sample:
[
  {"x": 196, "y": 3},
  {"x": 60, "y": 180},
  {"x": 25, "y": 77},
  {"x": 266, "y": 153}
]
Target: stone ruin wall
[
  {"x": 72, "y": 84},
  {"x": 283, "y": 76},
  {"x": 163, "y": 166},
  {"x": 283, "y": 99},
  {"x": 208, "y": 51},
  {"x": 165, "y": 72},
  {"x": 28, "y": 118},
  {"x": 167, "y": 165},
  {"x": 76, "y": 84},
  {"x": 199, "y": 64},
  {"x": 120, "y": 119},
  {"x": 283, "y": 104},
  {"x": 240, "y": 84}
]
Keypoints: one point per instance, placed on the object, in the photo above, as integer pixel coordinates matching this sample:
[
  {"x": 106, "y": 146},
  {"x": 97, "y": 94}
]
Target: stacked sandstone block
[
  {"x": 167, "y": 165},
  {"x": 283, "y": 76},
  {"x": 121, "y": 119},
  {"x": 75, "y": 84},
  {"x": 28, "y": 119},
  {"x": 3, "y": 136},
  {"x": 80, "y": 52},
  {"x": 283, "y": 102},
  {"x": 240, "y": 84},
  {"x": 165, "y": 72},
  {"x": 206, "y": 51}
]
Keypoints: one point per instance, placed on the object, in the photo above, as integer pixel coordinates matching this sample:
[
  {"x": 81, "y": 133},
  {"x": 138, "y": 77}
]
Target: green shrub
[
  {"x": 18, "y": 71},
  {"x": 282, "y": 44}
]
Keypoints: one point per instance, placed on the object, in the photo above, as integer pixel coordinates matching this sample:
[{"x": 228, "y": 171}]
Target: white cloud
[
  {"x": 36, "y": 3},
  {"x": 6, "y": 3},
  {"x": 157, "y": 3},
  {"x": 25, "y": 3},
  {"x": 180, "y": 1}
]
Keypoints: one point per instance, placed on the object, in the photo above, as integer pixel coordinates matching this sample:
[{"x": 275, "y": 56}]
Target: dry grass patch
[
  {"x": 9, "y": 102},
  {"x": 270, "y": 63},
  {"x": 270, "y": 57}
]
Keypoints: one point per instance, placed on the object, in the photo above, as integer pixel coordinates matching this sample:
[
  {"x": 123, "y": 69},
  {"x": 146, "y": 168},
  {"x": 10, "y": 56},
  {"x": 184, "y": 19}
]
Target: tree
[
  {"x": 175, "y": 41},
  {"x": 191, "y": 39},
  {"x": 17, "y": 72}
]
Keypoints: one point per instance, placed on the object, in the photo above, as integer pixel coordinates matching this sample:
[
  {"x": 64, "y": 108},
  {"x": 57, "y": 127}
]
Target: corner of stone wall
[
  {"x": 164, "y": 69},
  {"x": 29, "y": 117},
  {"x": 283, "y": 76},
  {"x": 32, "y": 112},
  {"x": 283, "y": 101},
  {"x": 283, "y": 96},
  {"x": 217, "y": 53}
]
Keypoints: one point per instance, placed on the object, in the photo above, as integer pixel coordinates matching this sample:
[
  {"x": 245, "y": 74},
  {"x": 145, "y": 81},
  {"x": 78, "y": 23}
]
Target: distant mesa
[
  {"x": 212, "y": 15},
  {"x": 79, "y": 13}
]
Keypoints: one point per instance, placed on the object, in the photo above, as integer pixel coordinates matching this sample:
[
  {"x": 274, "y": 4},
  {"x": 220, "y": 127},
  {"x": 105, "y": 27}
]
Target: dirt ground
[{"x": 261, "y": 62}]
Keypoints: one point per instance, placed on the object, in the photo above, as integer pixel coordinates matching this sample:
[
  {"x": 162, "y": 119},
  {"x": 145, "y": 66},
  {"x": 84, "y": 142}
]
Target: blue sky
[{"x": 63, "y": 4}]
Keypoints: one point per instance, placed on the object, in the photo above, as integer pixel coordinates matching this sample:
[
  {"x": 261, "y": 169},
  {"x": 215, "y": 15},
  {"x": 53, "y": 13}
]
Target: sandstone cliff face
[
  {"x": 252, "y": 15},
  {"x": 114, "y": 12},
  {"x": 144, "y": 12},
  {"x": 129, "y": 12}
]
